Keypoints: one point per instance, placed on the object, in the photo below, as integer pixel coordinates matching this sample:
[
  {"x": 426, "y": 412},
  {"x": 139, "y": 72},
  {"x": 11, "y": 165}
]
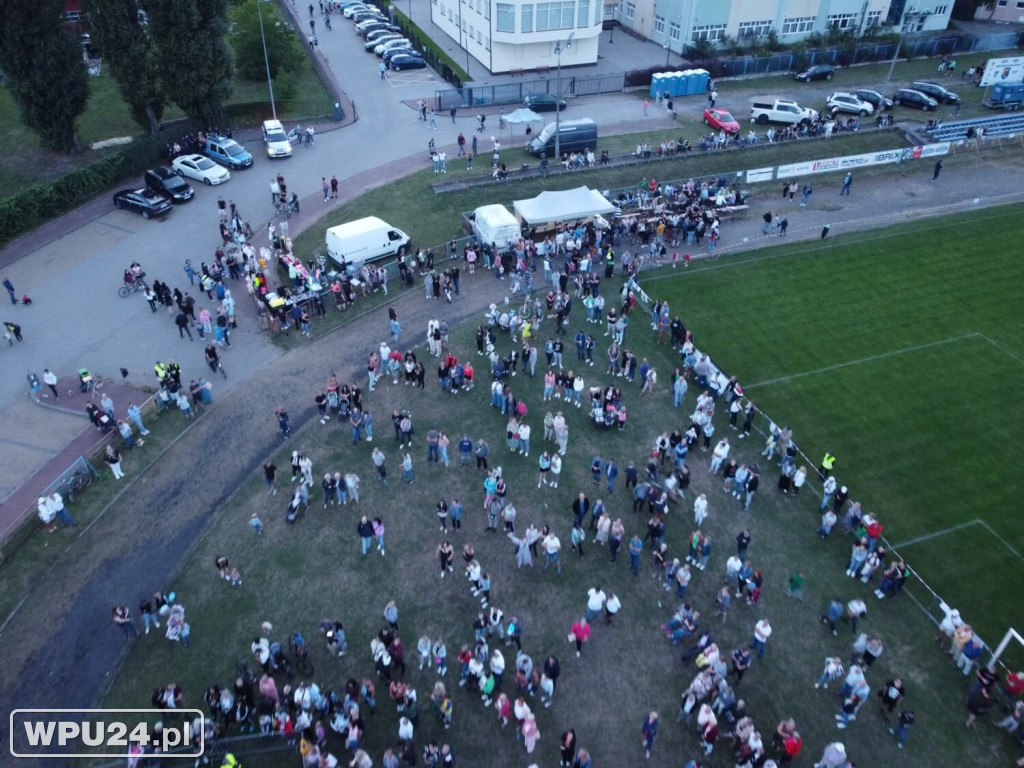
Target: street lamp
[
  {"x": 905, "y": 21},
  {"x": 266, "y": 60},
  {"x": 667, "y": 52},
  {"x": 611, "y": 37},
  {"x": 559, "y": 47}
]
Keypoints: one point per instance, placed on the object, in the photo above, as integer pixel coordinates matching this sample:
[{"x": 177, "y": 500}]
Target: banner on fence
[
  {"x": 759, "y": 174},
  {"x": 849, "y": 162},
  {"x": 1006, "y": 70}
]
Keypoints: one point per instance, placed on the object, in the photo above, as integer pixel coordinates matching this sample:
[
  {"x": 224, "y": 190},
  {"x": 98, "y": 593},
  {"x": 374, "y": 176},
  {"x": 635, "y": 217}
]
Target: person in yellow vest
[
  {"x": 827, "y": 462},
  {"x": 609, "y": 263},
  {"x": 230, "y": 762},
  {"x": 161, "y": 371}
]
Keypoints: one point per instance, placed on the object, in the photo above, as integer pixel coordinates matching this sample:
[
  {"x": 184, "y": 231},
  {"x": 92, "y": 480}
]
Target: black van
[{"x": 574, "y": 135}]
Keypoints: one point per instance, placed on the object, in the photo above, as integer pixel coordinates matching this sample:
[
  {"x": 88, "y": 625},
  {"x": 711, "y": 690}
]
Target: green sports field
[{"x": 900, "y": 351}]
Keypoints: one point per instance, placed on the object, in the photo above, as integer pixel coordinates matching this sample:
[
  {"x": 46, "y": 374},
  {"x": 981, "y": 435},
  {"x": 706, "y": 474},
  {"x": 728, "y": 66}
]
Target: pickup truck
[{"x": 779, "y": 111}]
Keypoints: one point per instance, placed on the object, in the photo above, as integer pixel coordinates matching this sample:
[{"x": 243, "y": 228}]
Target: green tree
[
  {"x": 701, "y": 50},
  {"x": 130, "y": 52},
  {"x": 284, "y": 52},
  {"x": 45, "y": 70},
  {"x": 193, "y": 56}
]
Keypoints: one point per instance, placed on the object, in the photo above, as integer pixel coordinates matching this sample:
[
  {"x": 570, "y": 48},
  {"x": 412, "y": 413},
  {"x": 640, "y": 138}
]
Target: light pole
[
  {"x": 559, "y": 47},
  {"x": 266, "y": 60},
  {"x": 667, "y": 52},
  {"x": 611, "y": 37},
  {"x": 904, "y": 22}
]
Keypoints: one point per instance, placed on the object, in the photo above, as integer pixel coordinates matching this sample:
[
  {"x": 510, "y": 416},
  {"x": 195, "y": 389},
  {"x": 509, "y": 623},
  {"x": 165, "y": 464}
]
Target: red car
[{"x": 719, "y": 119}]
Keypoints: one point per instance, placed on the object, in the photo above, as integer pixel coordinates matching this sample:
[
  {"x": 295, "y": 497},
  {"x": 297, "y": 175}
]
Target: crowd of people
[{"x": 656, "y": 480}]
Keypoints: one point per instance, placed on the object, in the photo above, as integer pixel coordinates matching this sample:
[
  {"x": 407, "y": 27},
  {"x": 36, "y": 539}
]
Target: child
[
  {"x": 235, "y": 577},
  {"x": 256, "y": 524}
]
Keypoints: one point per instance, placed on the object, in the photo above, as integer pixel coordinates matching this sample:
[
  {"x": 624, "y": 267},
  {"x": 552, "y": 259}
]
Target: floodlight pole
[
  {"x": 559, "y": 47},
  {"x": 266, "y": 60},
  {"x": 904, "y": 21}
]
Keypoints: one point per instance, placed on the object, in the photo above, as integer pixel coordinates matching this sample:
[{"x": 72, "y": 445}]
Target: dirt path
[{"x": 61, "y": 649}]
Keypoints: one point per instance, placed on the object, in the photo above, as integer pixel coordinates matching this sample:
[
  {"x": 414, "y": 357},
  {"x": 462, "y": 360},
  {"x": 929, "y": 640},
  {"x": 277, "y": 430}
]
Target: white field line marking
[
  {"x": 936, "y": 534},
  {"x": 1005, "y": 542},
  {"x": 858, "y": 361},
  {"x": 1001, "y": 348}
]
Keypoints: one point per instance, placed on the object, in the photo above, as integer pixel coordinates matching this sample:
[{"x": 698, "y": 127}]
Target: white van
[
  {"x": 275, "y": 139},
  {"x": 365, "y": 240},
  {"x": 494, "y": 224}
]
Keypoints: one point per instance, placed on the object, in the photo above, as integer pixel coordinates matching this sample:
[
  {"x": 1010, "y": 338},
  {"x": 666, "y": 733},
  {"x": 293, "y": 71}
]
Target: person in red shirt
[
  {"x": 580, "y": 633},
  {"x": 1014, "y": 687}
]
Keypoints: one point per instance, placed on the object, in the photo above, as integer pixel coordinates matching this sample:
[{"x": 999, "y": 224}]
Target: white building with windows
[
  {"x": 678, "y": 23},
  {"x": 519, "y": 36}
]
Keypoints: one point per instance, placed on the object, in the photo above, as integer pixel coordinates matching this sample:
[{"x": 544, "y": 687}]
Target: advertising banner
[
  {"x": 850, "y": 162},
  {"x": 759, "y": 174},
  {"x": 1006, "y": 70}
]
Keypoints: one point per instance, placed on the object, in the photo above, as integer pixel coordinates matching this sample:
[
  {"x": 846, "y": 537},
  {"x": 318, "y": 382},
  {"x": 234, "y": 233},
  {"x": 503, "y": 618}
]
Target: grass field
[
  {"x": 902, "y": 452},
  {"x": 893, "y": 352}
]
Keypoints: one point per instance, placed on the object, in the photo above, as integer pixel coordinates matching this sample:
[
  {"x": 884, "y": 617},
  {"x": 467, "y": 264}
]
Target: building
[
  {"x": 1006, "y": 11},
  {"x": 679, "y": 23},
  {"x": 518, "y": 36}
]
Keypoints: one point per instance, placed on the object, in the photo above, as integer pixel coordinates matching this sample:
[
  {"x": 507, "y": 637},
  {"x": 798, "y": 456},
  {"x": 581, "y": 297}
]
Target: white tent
[{"x": 567, "y": 205}]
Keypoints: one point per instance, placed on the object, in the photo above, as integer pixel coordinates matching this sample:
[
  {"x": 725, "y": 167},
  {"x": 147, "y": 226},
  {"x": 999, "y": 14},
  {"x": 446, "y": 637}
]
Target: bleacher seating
[{"x": 1001, "y": 126}]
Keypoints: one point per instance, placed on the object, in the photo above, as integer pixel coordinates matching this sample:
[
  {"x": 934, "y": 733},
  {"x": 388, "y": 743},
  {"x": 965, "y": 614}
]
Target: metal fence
[
  {"x": 864, "y": 53},
  {"x": 515, "y": 92}
]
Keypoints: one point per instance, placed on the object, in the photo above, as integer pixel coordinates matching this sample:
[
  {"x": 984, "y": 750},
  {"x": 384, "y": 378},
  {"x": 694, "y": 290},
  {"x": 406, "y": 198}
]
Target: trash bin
[{"x": 337, "y": 111}]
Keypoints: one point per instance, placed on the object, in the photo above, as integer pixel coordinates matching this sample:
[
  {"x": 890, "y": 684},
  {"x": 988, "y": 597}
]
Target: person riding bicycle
[{"x": 212, "y": 358}]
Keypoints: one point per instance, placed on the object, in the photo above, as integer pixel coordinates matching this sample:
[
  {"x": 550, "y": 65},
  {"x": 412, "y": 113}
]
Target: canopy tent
[
  {"x": 567, "y": 205},
  {"x": 523, "y": 115}
]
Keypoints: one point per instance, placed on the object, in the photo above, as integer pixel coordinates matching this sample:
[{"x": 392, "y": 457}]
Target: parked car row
[
  {"x": 920, "y": 95},
  {"x": 382, "y": 37}
]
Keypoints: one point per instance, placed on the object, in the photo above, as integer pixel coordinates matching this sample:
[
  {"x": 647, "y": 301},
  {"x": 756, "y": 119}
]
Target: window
[
  {"x": 442, "y": 9},
  {"x": 71, "y": 17},
  {"x": 471, "y": 31},
  {"x": 940, "y": 10},
  {"x": 840, "y": 20},
  {"x": 754, "y": 28},
  {"x": 479, "y": 37},
  {"x": 674, "y": 31},
  {"x": 710, "y": 32},
  {"x": 506, "y": 18},
  {"x": 487, "y": 43},
  {"x": 451, "y": 16},
  {"x": 555, "y": 15},
  {"x": 583, "y": 14},
  {"x": 1001, "y": 3},
  {"x": 659, "y": 25},
  {"x": 873, "y": 19},
  {"x": 1020, "y": 4},
  {"x": 630, "y": 9},
  {"x": 797, "y": 25},
  {"x": 526, "y": 18},
  {"x": 462, "y": 23}
]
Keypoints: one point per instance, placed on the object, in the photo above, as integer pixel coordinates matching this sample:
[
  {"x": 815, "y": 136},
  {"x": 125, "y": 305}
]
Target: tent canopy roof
[{"x": 567, "y": 205}]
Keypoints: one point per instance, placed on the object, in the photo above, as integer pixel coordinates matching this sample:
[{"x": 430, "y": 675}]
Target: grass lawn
[
  {"x": 432, "y": 219},
  {"x": 884, "y": 355},
  {"x": 294, "y": 575}
]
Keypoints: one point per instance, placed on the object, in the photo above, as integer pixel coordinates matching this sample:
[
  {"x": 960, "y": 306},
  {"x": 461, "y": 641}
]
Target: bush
[{"x": 25, "y": 210}]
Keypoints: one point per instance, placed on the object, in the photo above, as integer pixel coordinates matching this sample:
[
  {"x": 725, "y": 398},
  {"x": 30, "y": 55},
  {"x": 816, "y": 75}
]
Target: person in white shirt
[
  {"x": 720, "y": 454},
  {"x": 596, "y": 599},
  {"x": 762, "y": 631},
  {"x": 611, "y": 607},
  {"x": 700, "y": 509}
]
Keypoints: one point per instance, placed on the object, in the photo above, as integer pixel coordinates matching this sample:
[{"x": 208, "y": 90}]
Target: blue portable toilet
[
  {"x": 681, "y": 82},
  {"x": 658, "y": 84},
  {"x": 698, "y": 82}
]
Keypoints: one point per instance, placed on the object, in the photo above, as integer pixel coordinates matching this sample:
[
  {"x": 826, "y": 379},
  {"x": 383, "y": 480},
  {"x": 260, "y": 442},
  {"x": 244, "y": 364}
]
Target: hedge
[
  {"x": 410, "y": 27},
  {"x": 25, "y": 210}
]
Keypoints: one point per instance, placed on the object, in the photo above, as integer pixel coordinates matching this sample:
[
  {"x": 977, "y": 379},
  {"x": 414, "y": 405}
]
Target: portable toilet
[
  {"x": 658, "y": 84},
  {"x": 681, "y": 82},
  {"x": 698, "y": 83}
]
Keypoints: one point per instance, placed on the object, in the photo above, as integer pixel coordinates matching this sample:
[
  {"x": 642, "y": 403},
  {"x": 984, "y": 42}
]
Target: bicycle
[
  {"x": 127, "y": 289},
  {"x": 283, "y": 209},
  {"x": 72, "y": 485}
]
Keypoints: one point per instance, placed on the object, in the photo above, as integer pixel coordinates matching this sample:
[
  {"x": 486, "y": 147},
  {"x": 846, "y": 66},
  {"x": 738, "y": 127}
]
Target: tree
[
  {"x": 130, "y": 52},
  {"x": 193, "y": 56},
  {"x": 45, "y": 70},
  {"x": 284, "y": 52},
  {"x": 702, "y": 49}
]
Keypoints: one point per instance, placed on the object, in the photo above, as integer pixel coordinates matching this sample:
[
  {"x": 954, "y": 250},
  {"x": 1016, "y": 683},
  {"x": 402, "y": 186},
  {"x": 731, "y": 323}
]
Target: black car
[
  {"x": 402, "y": 51},
  {"x": 817, "y": 72},
  {"x": 143, "y": 201},
  {"x": 908, "y": 97},
  {"x": 362, "y": 16},
  {"x": 166, "y": 182},
  {"x": 402, "y": 61},
  {"x": 937, "y": 92},
  {"x": 874, "y": 98},
  {"x": 543, "y": 102}
]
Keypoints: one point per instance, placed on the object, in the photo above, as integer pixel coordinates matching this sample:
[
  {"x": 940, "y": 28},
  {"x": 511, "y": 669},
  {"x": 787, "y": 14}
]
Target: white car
[
  {"x": 380, "y": 40},
  {"x": 352, "y": 10},
  {"x": 847, "y": 102},
  {"x": 401, "y": 42},
  {"x": 201, "y": 169},
  {"x": 275, "y": 139}
]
